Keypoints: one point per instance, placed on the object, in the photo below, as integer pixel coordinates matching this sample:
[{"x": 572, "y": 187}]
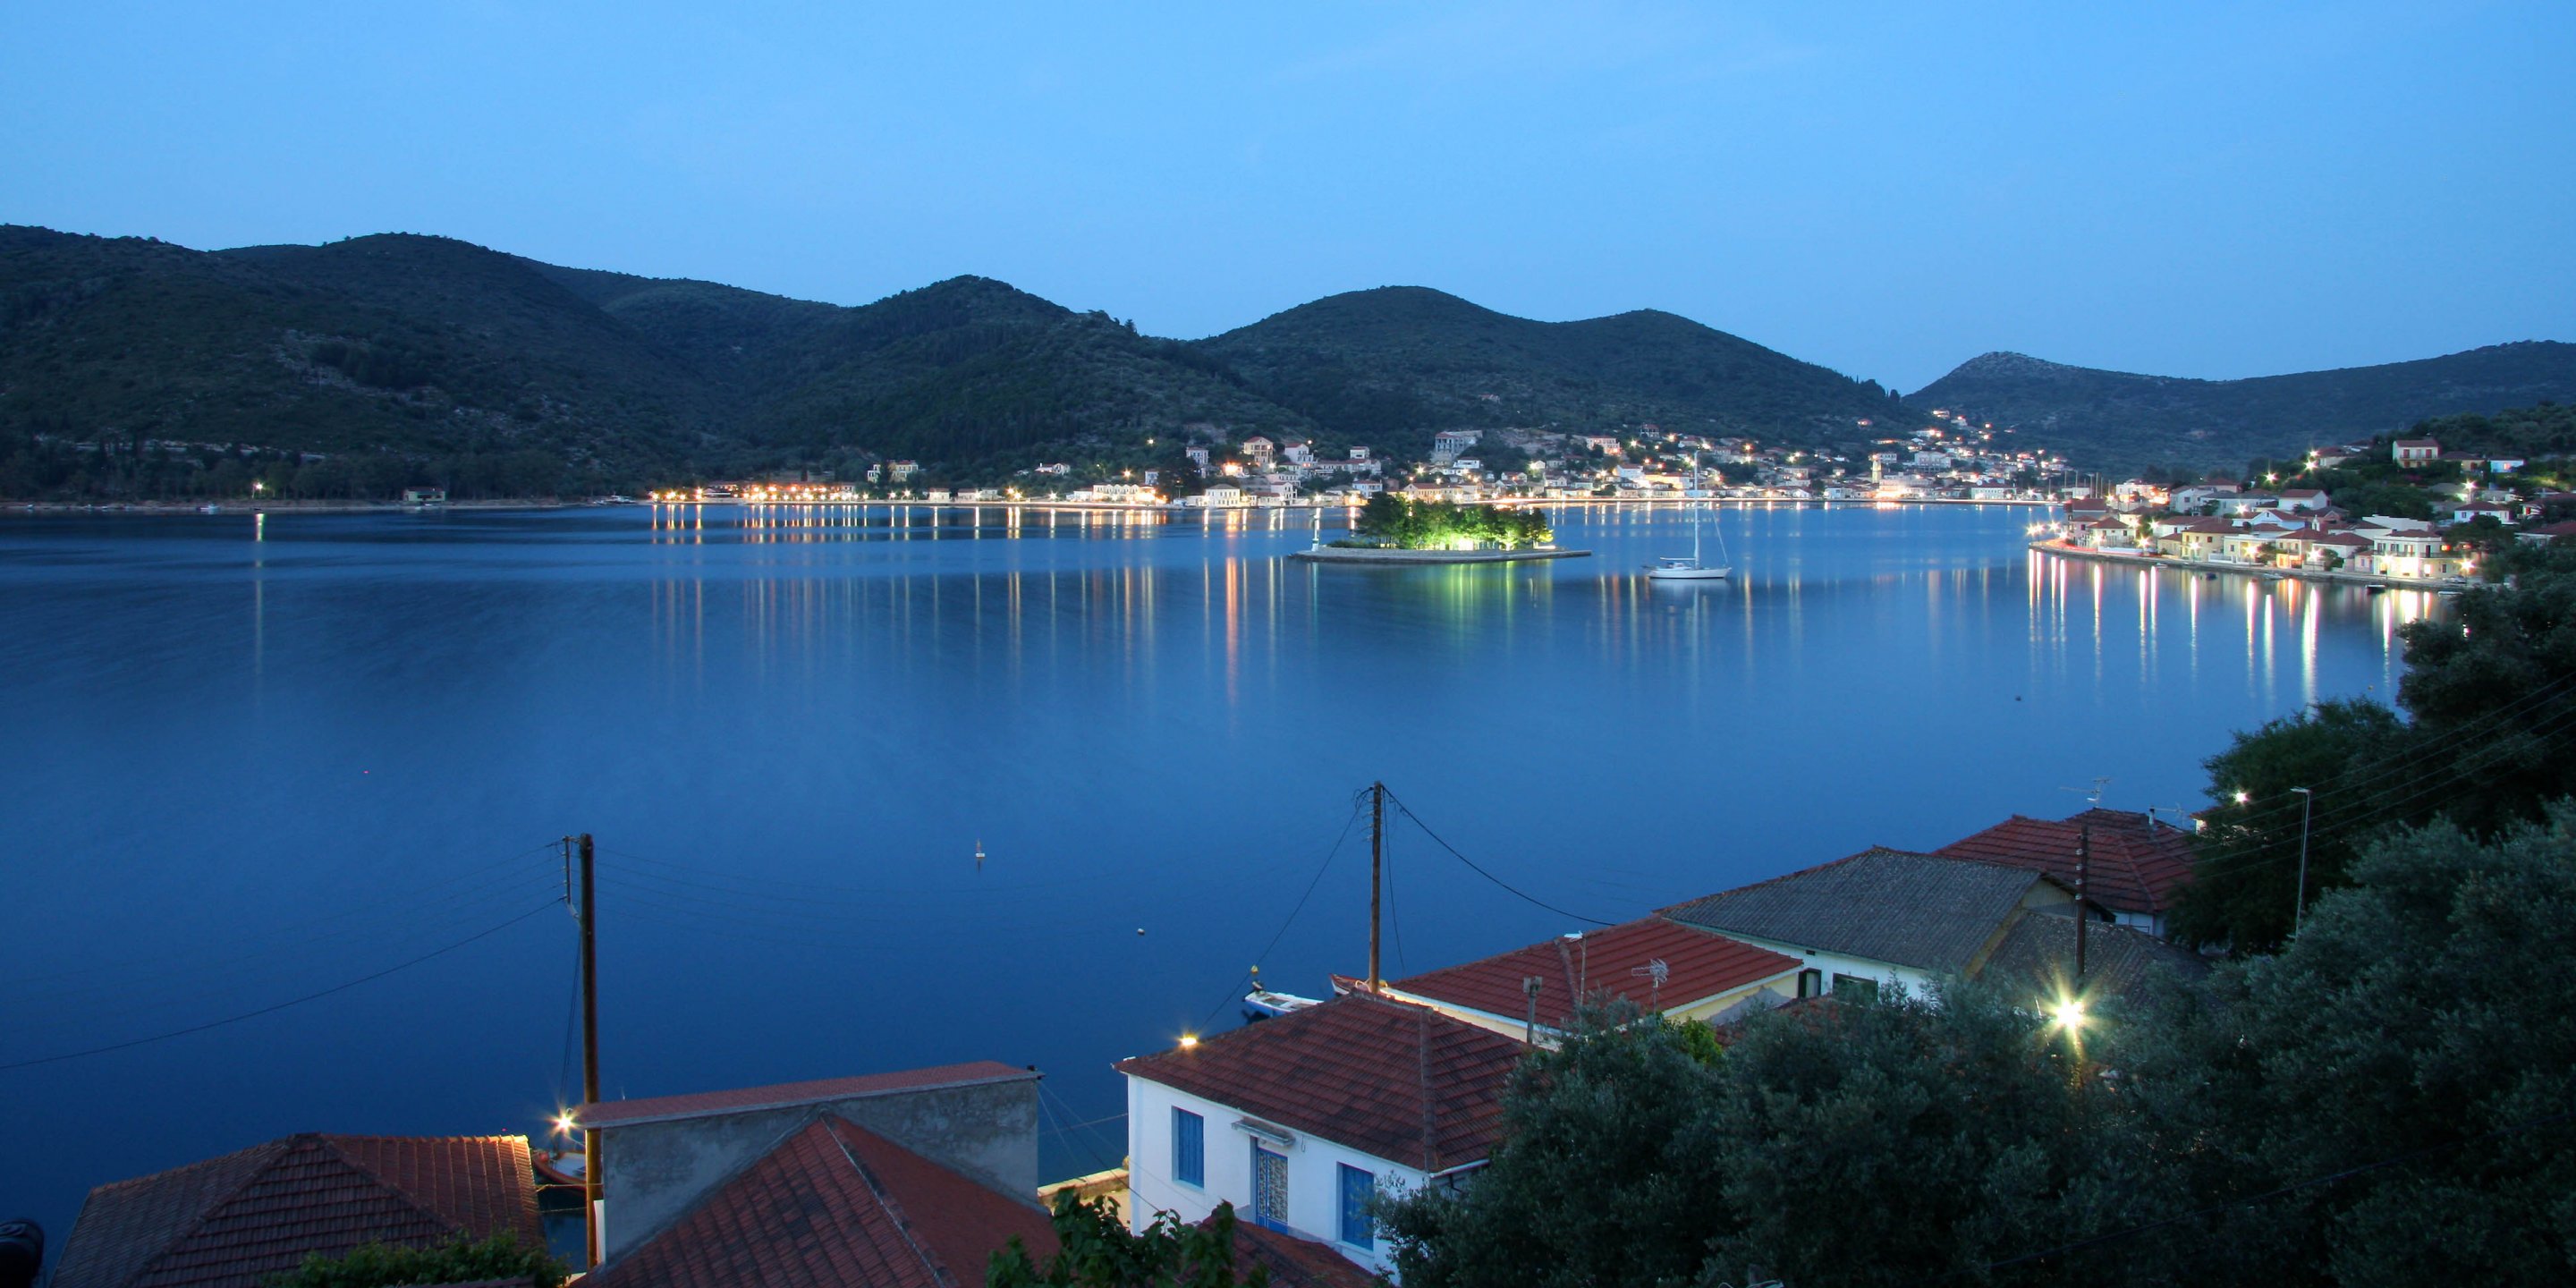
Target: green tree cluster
[
  {"x": 1407, "y": 524},
  {"x": 2490, "y": 696},
  {"x": 1095, "y": 1249},
  {"x": 2388, "y": 1101},
  {"x": 379, "y": 1265}
]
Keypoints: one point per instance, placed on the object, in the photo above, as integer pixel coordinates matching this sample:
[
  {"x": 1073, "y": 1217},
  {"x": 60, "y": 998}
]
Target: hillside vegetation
[
  {"x": 2116, "y": 421},
  {"x": 133, "y": 368},
  {"x": 1400, "y": 358}
]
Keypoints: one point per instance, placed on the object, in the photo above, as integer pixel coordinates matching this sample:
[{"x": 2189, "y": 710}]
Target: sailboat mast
[{"x": 1377, "y": 865}]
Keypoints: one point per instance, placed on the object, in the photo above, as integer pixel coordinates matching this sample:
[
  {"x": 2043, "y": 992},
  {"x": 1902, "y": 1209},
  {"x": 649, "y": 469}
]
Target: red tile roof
[
  {"x": 1390, "y": 1079},
  {"x": 238, "y": 1219},
  {"x": 1291, "y": 1261},
  {"x": 835, "y": 1205},
  {"x": 1700, "y": 964},
  {"x": 2137, "y": 865},
  {"x": 621, "y": 1113}
]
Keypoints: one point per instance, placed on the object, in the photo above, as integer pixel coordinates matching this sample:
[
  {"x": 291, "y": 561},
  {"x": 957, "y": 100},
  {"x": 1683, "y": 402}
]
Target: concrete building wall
[{"x": 653, "y": 1173}]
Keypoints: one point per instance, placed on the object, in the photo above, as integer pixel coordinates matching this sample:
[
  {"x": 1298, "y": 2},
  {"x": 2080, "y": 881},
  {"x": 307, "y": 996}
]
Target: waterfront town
[
  {"x": 1300, "y": 1121},
  {"x": 1950, "y": 459},
  {"x": 2465, "y": 513}
]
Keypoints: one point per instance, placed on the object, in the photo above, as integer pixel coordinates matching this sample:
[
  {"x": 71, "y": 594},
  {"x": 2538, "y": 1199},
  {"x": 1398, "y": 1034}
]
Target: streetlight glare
[{"x": 2067, "y": 1014}]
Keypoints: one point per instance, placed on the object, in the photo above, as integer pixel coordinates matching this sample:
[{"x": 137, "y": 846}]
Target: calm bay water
[{"x": 245, "y": 762}]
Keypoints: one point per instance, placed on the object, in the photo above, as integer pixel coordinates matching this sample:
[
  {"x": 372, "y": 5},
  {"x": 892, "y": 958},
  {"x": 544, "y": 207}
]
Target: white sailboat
[{"x": 1678, "y": 568}]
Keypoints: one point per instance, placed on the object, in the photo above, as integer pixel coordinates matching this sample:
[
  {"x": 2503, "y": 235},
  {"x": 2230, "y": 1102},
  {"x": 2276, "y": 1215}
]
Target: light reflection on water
[{"x": 791, "y": 727}]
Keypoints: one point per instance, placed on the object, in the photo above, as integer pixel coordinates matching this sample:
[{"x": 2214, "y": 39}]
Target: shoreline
[
  {"x": 1367, "y": 556},
  {"x": 2381, "y": 580},
  {"x": 221, "y": 509}
]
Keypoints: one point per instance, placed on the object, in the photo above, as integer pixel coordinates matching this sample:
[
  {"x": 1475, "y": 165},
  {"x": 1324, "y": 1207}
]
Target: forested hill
[
  {"x": 1398, "y": 358},
  {"x": 409, "y": 359},
  {"x": 132, "y": 367},
  {"x": 2114, "y": 420}
]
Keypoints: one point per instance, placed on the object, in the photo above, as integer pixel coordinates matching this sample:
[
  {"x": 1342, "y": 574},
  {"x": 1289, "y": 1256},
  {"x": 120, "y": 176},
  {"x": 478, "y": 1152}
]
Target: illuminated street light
[
  {"x": 2244, "y": 798},
  {"x": 2067, "y": 1014},
  {"x": 1189, "y": 1040}
]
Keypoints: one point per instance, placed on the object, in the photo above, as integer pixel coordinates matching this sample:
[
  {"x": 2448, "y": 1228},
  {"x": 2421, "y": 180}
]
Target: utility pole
[
  {"x": 2307, "y": 810},
  {"x": 2083, "y": 868},
  {"x": 1377, "y": 867},
  {"x": 589, "y": 1053}
]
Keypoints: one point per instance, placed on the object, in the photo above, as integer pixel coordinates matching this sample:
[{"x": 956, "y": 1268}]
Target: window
[
  {"x": 1359, "y": 1188},
  {"x": 1854, "y": 988},
  {"x": 1189, "y": 1148},
  {"x": 1811, "y": 983}
]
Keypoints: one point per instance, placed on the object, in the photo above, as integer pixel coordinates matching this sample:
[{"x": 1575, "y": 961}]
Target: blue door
[{"x": 1269, "y": 1188}]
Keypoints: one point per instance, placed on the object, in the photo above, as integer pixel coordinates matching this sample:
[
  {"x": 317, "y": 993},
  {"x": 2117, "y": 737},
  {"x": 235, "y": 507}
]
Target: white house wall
[{"x": 1314, "y": 1175}]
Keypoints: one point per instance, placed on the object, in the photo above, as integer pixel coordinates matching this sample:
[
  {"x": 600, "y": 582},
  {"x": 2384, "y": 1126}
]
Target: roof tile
[
  {"x": 238, "y": 1219},
  {"x": 1885, "y": 905},
  {"x": 1390, "y": 1079},
  {"x": 2138, "y": 864},
  {"x": 834, "y": 1205},
  {"x": 1616, "y": 960}
]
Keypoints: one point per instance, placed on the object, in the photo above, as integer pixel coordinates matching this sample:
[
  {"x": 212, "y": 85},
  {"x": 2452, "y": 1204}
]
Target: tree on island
[{"x": 1407, "y": 524}]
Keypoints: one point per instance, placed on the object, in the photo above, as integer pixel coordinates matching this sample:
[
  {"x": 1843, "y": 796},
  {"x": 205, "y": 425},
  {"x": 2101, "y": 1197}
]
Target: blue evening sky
[{"x": 1887, "y": 188}]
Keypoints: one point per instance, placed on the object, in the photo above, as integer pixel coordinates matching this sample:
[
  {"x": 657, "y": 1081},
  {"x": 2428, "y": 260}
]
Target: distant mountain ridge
[
  {"x": 2120, "y": 420},
  {"x": 401, "y": 358},
  {"x": 1402, "y": 358}
]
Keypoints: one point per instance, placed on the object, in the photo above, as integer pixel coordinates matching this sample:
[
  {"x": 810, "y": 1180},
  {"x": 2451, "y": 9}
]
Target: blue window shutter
[
  {"x": 1359, "y": 1229},
  {"x": 1189, "y": 1147}
]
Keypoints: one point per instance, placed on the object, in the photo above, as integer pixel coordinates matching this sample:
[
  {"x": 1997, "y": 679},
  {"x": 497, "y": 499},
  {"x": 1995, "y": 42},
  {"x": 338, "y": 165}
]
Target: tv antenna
[
  {"x": 2092, "y": 795},
  {"x": 1657, "y": 970}
]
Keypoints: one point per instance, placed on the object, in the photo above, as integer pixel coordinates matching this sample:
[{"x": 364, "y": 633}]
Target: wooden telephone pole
[
  {"x": 2083, "y": 863},
  {"x": 1377, "y": 866},
  {"x": 589, "y": 1055}
]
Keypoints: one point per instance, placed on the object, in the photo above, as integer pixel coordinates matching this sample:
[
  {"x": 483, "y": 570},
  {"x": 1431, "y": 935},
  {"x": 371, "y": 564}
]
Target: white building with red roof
[
  {"x": 1301, "y": 1120},
  {"x": 1661, "y": 966}
]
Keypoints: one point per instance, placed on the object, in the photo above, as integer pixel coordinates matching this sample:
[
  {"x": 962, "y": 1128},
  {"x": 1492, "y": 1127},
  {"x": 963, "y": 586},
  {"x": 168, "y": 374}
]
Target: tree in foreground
[
  {"x": 1094, "y": 1249},
  {"x": 2392, "y": 1099},
  {"x": 379, "y": 1265},
  {"x": 1874, "y": 1142}
]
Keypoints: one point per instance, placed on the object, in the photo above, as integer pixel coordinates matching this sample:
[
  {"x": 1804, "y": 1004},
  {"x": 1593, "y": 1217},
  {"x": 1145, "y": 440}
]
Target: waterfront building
[
  {"x": 1881, "y": 915},
  {"x": 1300, "y": 1121},
  {"x": 1661, "y": 966},
  {"x": 242, "y": 1219},
  {"x": 911, "y": 1177}
]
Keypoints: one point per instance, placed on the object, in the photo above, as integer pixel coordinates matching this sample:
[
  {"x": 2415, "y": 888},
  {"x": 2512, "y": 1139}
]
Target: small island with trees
[{"x": 1392, "y": 529}]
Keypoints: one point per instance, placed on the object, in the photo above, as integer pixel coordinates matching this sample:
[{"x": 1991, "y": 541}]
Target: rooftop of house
[
  {"x": 834, "y": 1203},
  {"x": 788, "y": 1095},
  {"x": 1390, "y": 1079},
  {"x": 1617, "y": 960},
  {"x": 1291, "y": 1261},
  {"x": 241, "y": 1218},
  {"x": 2037, "y": 956},
  {"x": 1915, "y": 910},
  {"x": 2138, "y": 864}
]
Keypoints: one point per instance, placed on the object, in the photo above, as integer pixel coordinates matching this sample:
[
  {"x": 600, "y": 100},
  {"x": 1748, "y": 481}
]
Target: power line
[
  {"x": 273, "y": 1009},
  {"x": 1291, "y": 919},
  {"x": 1479, "y": 871}
]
